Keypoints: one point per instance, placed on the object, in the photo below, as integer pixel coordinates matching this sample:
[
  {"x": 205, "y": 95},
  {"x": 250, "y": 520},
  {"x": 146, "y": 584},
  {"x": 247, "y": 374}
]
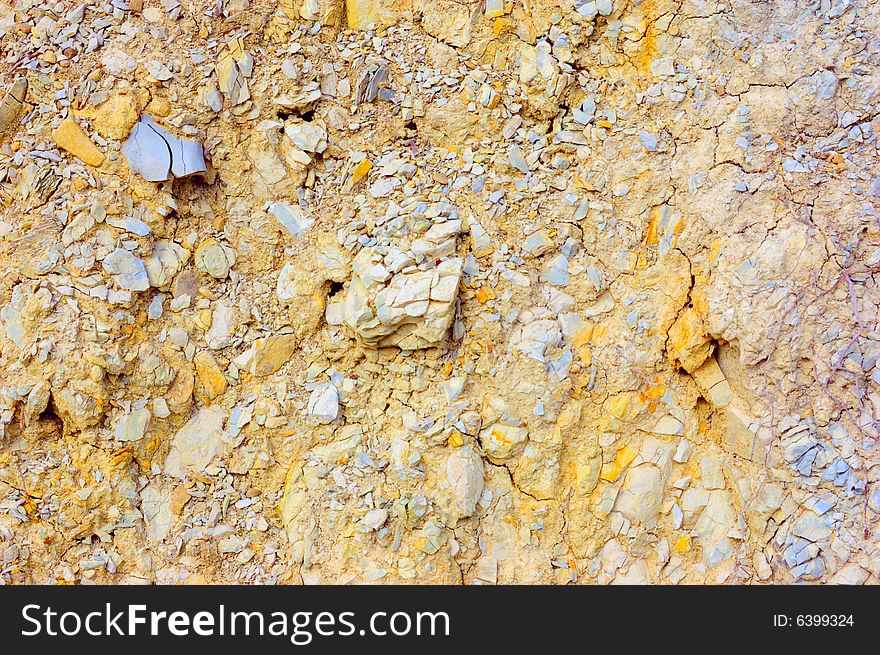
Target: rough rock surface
[{"x": 559, "y": 291}]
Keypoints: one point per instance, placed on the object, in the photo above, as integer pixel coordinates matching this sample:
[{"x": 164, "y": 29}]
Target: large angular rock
[
  {"x": 644, "y": 485},
  {"x": 410, "y": 310},
  {"x": 156, "y": 508},
  {"x": 689, "y": 345},
  {"x": 499, "y": 440},
  {"x": 156, "y": 154},
  {"x": 464, "y": 482},
  {"x": 196, "y": 443},
  {"x": 70, "y": 136},
  {"x": 642, "y": 493},
  {"x": 12, "y": 104},
  {"x": 272, "y": 353}
]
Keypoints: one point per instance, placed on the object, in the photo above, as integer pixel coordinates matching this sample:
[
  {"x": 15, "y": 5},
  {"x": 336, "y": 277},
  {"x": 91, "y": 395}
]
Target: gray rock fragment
[
  {"x": 324, "y": 403},
  {"x": 649, "y": 141},
  {"x": 517, "y": 160},
  {"x": 827, "y": 85},
  {"x": 368, "y": 83},
  {"x": 291, "y": 217},
  {"x": 156, "y": 154},
  {"x": 127, "y": 270}
]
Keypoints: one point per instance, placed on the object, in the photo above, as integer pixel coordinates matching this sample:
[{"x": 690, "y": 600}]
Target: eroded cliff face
[{"x": 457, "y": 291}]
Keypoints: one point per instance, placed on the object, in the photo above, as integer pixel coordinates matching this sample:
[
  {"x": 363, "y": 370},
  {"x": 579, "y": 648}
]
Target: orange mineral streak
[{"x": 649, "y": 49}]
